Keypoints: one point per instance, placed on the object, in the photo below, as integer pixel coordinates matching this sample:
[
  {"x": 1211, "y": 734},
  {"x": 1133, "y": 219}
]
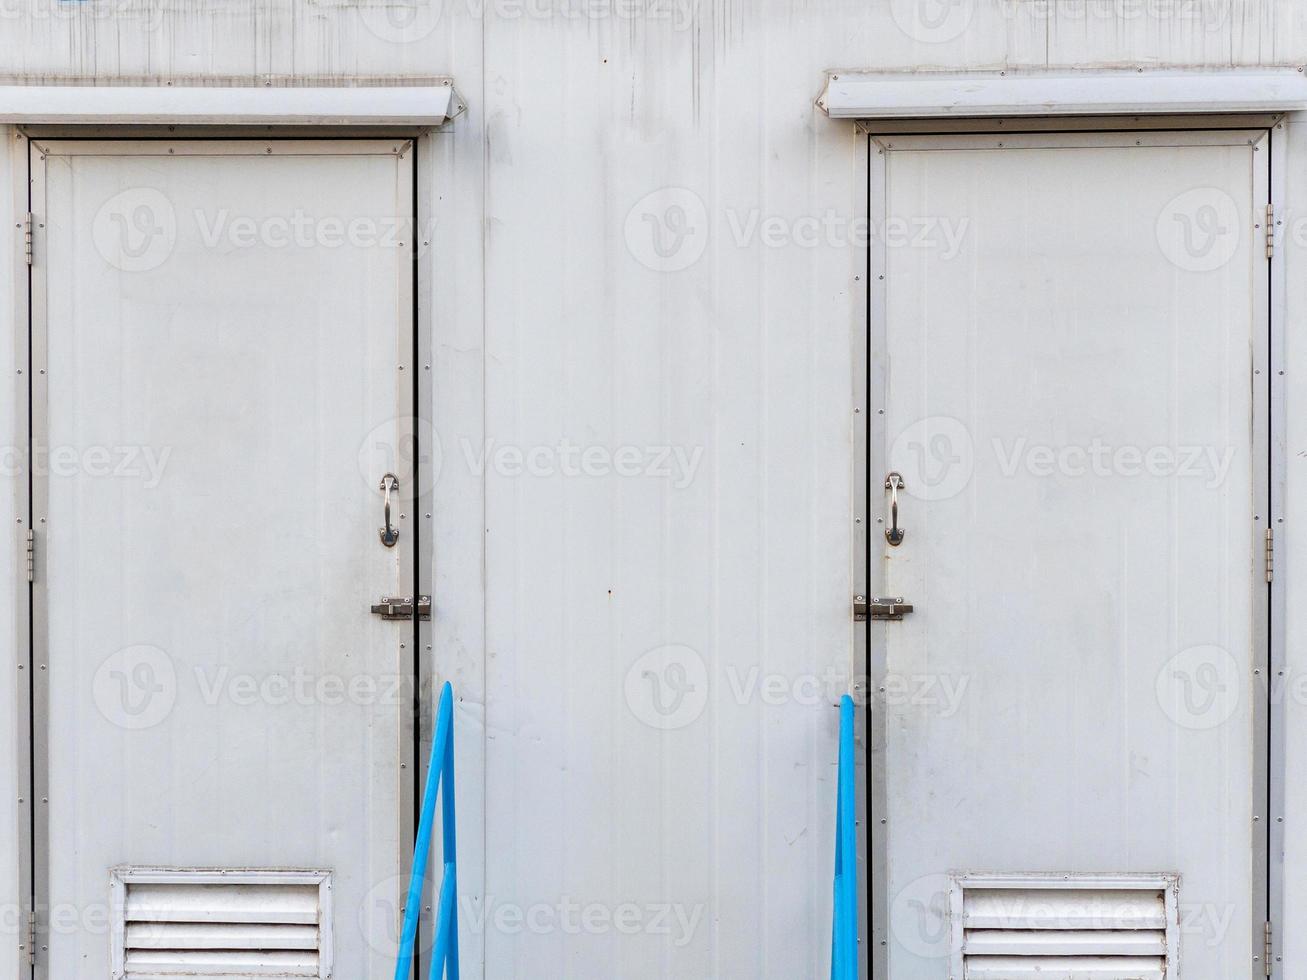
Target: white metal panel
[
  {"x": 1070, "y": 601},
  {"x": 451, "y": 294},
  {"x": 918, "y": 95},
  {"x": 727, "y": 818},
  {"x": 236, "y": 573}
]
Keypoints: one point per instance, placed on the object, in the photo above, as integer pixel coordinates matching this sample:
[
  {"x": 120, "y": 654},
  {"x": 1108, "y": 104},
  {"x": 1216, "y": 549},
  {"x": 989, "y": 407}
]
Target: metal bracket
[
  {"x": 879, "y": 607},
  {"x": 393, "y": 607}
]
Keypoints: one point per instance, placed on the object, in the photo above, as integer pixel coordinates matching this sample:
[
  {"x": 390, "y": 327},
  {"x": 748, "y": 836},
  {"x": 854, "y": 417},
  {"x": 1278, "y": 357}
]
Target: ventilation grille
[
  {"x": 1008, "y": 930},
  {"x": 201, "y": 928}
]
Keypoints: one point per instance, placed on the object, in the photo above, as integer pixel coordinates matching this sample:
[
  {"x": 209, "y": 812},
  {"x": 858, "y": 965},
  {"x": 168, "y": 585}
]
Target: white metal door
[
  {"x": 222, "y": 338},
  {"x": 1070, "y": 379}
]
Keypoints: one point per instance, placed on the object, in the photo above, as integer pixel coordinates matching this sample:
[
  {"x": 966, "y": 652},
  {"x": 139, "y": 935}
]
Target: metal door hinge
[
  {"x": 31, "y": 937},
  {"x": 394, "y": 607},
  {"x": 31, "y": 555},
  {"x": 1270, "y": 554},
  {"x": 1270, "y": 230},
  {"x": 27, "y": 237},
  {"x": 1268, "y": 949},
  {"x": 879, "y": 607}
]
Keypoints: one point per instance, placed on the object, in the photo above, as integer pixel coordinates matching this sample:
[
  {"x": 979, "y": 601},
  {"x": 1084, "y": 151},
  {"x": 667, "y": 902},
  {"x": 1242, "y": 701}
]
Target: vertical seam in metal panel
[
  {"x": 31, "y": 591},
  {"x": 1271, "y": 431},
  {"x": 715, "y": 508},
  {"x": 415, "y": 661},
  {"x": 38, "y": 617},
  {"x": 1275, "y": 660},
  {"x": 483, "y": 218},
  {"x": 862, "y": 584},
  {"x": 760, "y": 599},
  {"x": 21, "y": 191},
  {"x": 1262, "y": 399},
  {"x": 878, "y": 831}
]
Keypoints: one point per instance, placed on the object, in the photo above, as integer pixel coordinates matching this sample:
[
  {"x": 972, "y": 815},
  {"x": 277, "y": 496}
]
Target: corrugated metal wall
[
  {"x": 644, "y": 40},
  {"x": 556, "y": 324}
]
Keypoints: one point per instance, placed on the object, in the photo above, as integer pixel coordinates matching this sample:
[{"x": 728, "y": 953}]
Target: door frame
[
  {"x": 875, "y": 140},
  {"x": 31, "y": 487}
]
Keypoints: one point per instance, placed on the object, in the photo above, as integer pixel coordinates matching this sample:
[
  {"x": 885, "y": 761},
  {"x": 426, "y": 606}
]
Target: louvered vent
[
  {"x": 204, "y": 924},
  {"x": 1065, "y": 927}
]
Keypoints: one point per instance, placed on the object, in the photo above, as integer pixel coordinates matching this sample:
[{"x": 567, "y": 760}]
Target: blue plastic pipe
[
  {"x": 440, "y": 774},
  {"x": 844, "y": 931}
]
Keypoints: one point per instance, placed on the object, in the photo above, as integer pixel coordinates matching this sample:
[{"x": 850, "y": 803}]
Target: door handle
[
  {"x": 389, "y": 533},
  {"x": 893, "y": 533}
]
